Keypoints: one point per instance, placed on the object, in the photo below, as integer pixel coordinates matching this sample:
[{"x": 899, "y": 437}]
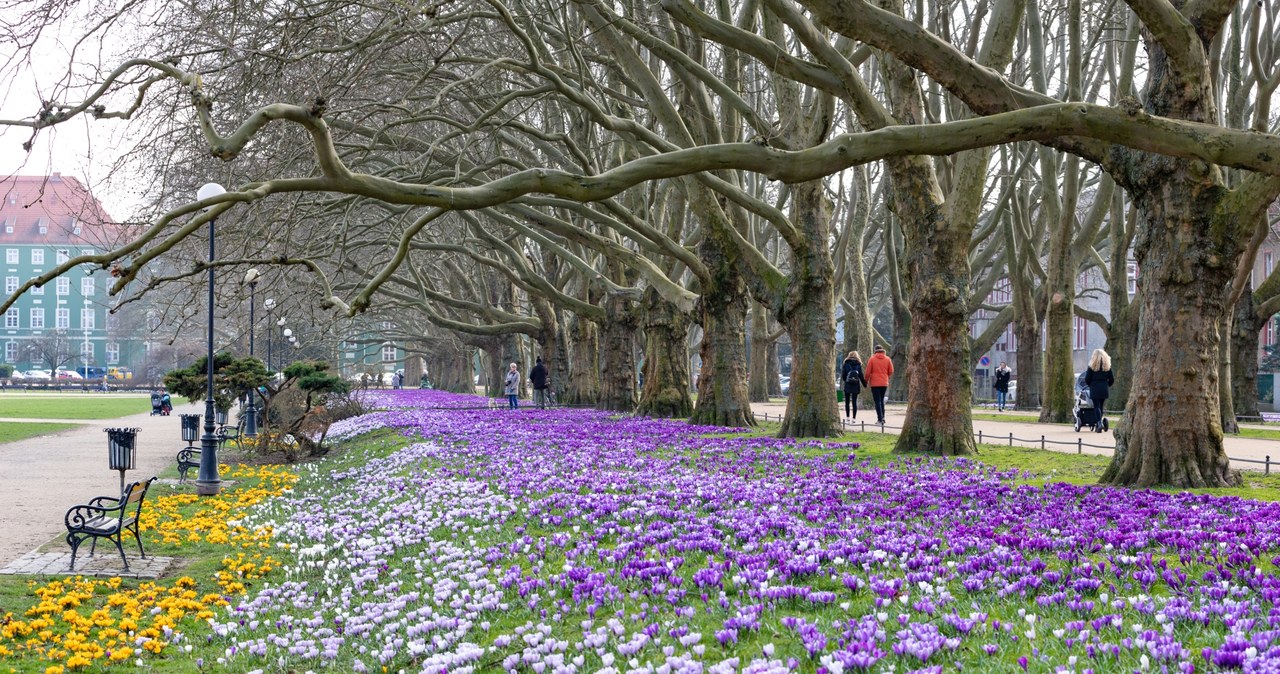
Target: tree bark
[
  {"x": 722, "y": 378},
  {"x": 809, "y": 317},
  {"x": 1171, "y": 433},
  {"x": 774, "y": 370},
  {"x": 617, "y": 357},
  {"x": 758, "y": 390},
  {"x": 412, "y": 371},
  {"x": 1244, "y": 356},
  {"x": 666, "y": 370},
  {"x": 583, "y": 385},
  {"x": 1030, "y": 364}
]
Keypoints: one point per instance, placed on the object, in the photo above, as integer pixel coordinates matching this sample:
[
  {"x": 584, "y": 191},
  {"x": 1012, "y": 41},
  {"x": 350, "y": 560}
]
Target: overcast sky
[{"x": 84, "y": 148}]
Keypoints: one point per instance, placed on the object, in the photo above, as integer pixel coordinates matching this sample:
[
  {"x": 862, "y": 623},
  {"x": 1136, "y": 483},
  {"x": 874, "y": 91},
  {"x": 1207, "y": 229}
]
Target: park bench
[
  {"x": 109, "y": 518},
  {"x": 188, "y": 458},
  {"x": 1270, "y": 417},
  {"x": 227, "y": 433}
]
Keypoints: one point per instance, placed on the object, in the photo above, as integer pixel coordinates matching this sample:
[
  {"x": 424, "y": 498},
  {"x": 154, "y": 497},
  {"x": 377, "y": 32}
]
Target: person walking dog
[{"x": 878, "y": 371}]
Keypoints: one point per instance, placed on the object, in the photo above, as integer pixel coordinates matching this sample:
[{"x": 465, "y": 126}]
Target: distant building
[{"x": 45, "y": 220}]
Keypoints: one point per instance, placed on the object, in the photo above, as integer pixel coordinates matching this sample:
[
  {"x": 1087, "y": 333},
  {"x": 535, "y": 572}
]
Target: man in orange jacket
[{"x": 879, "y": 369}]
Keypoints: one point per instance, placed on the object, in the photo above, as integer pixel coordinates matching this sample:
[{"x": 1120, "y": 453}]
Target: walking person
[
  {"x": 878, "y": 371},
  {"x": 512, "y": 387},
  {"x": 1099, "y": 380},
  {"x": 538, "y": 377},
  {"x": 854, "y": 379},
  {"x": 1003, "y": 374}
]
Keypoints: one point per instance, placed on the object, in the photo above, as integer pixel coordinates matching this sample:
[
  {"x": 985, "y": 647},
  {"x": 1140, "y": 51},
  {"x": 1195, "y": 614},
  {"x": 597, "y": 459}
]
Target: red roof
[{"x": 53, "y": 209}]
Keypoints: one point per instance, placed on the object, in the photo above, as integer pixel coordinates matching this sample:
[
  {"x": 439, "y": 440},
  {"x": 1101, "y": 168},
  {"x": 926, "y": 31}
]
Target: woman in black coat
[
  {"x": 1099, "y": 380},
  {"x": 854, "y": 379}
]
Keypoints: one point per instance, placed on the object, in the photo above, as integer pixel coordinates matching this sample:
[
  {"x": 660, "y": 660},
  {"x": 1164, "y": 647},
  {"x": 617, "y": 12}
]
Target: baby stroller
[
  {"x": 161, "y": 405},
  {"x": 1087, "y": 415}
]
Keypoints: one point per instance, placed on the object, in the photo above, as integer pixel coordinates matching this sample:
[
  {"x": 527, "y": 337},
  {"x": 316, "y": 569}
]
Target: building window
[
  {"x": 10, "y": 352},
  {"x": 62, "y": 256},
  {"x": 37, "y": 318},
  {"x": 10, "y": 285},
  {"x": 113, "y": 353},
  {"x": 43, "y": 224},
  {"x": 86, "y": 286},
  {"x": 87, "y": 321},
  {"x": 1131, "y": 270},
  {"x": 1269, "y": 333},
  {"x": 11, "y": 256},
  {"x": 37, "y": 290},
  {"x": 1011, "y": 339},
  {"x": 1001, "y": 293},
  {"x": 11, "y": 318},
  {"x": 1080, "y": 333},
  {"x": 388, "y": 353},
  {"x": 86, "y": 351},
  {"x": 113, "y": 321},
  {"x": 64, "y": 285},
  {"x": 75, "y": 226},
  {"x": 9, "y": 223},
  {"x": 63, "y": 319},
  {"x": 1266, "y": 263},
  {"x": 37, "y": 256}
]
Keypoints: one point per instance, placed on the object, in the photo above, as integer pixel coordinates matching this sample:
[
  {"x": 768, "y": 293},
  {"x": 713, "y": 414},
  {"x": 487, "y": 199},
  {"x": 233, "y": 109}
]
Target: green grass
[
  {"x": 13, "y": 431},
  {"x": 1257, "y": 433},
  {"x": 71, "y": 406},
  {"x": 1013, "y": 417}
]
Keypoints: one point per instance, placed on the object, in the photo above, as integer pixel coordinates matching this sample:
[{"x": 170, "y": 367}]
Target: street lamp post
[
  {"x": 288, "y": 335},
  {"x": 251, "y": 409},
  {"x": 269, "y": 305},
  {"x": 207, "y": 481}
]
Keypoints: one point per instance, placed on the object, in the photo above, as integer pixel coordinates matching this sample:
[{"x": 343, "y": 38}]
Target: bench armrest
[
  {"x": 108, "y": 502},
  {"x": 80, "y": 515},
  {"x": 189, "y": 454}
]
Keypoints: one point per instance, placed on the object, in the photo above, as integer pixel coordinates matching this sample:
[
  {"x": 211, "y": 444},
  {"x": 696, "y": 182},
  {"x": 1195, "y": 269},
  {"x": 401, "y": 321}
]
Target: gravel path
[{"x": 41, "y": 477}]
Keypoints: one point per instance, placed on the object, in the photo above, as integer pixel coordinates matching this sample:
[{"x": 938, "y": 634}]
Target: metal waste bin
[
  {"x": 839, "y": 395},
  {"x": 122, "y": 450},
  {"x": 190, "y": 428}
]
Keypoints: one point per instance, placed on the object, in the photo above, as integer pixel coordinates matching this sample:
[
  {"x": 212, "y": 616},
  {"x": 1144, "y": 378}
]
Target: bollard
[
  {"x": 864, "y": 427},
  {"x": 1010, "y": 439},
  {"x": 1042, "y": 442},
  {"x": 979, "y": 436},
  {"x": 1266, "y": 470},
  {"x": 1079, "y": 446}
]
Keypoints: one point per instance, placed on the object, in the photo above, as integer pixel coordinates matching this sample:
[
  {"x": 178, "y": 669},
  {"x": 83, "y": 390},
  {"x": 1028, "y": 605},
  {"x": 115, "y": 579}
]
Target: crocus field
[{"x": 573, "y": 541}]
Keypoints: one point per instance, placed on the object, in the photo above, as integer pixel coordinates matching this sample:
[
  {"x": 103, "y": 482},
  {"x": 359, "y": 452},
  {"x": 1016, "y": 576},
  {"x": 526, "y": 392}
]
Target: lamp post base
[
  {"x": 251, "y": 418},
  {"x": 208, "y": 488}
]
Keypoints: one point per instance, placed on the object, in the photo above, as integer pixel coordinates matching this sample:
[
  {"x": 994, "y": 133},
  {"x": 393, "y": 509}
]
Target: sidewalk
[
  {"x": 1057, "y": 437},
  {"x": 41, "y": 477}
]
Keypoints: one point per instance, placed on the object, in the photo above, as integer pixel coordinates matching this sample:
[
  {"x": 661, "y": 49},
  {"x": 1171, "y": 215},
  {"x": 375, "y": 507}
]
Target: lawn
[
  {"x": 571, "y": 541},
  {"x": 72, "y": 405},
  {"x": 12, "y": 431}
]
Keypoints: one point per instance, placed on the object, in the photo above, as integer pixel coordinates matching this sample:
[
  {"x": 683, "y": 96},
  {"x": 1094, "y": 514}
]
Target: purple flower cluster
[{"x": 575, "y": 541}]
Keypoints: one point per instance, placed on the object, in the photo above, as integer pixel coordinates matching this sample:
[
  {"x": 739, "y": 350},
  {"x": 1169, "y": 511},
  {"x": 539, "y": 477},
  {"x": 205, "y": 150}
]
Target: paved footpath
[
  {"x": 41, "y": 477},
  {"x": 1057, "y": 437}
]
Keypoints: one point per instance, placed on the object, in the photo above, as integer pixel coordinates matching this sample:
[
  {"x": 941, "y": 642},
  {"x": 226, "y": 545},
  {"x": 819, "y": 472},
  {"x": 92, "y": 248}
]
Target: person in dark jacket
[
  {"x": 1099, "y": 380},
  {"x": 854, "y": 379},
  {"x": 538, "y": 377},
  {"x": 1003, "y": 374}
]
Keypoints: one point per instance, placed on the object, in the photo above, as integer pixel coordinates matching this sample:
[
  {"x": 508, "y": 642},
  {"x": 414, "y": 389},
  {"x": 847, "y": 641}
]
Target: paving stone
[{"x": 104, "y": 564}]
